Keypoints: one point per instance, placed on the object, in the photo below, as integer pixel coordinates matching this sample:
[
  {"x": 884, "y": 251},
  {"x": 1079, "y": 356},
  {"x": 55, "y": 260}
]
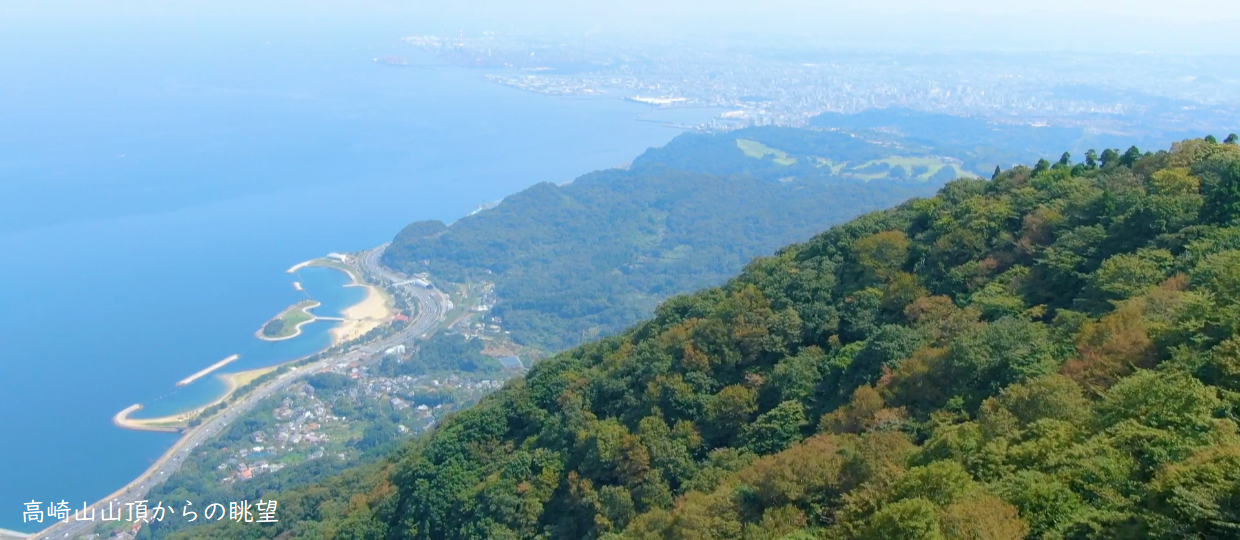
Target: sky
[{"x": 1099, "y": 25}]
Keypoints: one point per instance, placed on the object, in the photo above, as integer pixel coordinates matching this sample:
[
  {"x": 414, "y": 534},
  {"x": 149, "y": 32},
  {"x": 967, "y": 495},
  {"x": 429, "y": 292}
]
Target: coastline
[
  {"x": 375, "y": 309},
  {"x": 296, "y": 328},
  {"x": 165, "y": 424},
  {"x": 362, "y": 317},
  {"x": 300, "y": 265},
  {"x": 177, "y": 422},
  {"x": 233, "y": 381},
  {"x": 6, "y": 534}
]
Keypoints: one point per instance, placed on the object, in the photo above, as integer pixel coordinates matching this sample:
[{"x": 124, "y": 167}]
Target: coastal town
[
  {"x": 743, "y": 85},
  {"x": 338, "y": 414},
  {"x": 401, "y": 360}
]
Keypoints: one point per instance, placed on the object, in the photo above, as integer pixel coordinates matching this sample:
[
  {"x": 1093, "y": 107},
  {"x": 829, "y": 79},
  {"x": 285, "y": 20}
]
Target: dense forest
[
  {"x": 592, "y": 257},
  {"x": 1050, "y": 354}
]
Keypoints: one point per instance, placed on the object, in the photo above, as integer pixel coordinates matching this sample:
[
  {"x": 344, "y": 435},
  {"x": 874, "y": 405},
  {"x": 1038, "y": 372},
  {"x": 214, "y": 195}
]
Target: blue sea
[{"x": 156, "y": 183}]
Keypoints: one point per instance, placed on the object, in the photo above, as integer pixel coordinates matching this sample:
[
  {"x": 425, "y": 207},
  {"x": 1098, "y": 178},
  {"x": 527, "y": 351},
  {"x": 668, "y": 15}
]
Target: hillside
[
  {"x": 1051, "y": 354},
  {"x": 587, "y": 259},
  {"x": 978, "y": 143}
]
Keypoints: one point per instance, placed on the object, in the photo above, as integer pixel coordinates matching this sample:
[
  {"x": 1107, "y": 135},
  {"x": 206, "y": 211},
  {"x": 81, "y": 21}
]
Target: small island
[{"x": 288, "y": 323}]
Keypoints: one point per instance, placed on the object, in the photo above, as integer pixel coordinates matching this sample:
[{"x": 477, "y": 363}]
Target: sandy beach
[
  {"x": 242, "y": 378},
  {"x": 168, "y": 424},
  {"x": 177, "y": 422},
  {"x": 370, "y": 313}
]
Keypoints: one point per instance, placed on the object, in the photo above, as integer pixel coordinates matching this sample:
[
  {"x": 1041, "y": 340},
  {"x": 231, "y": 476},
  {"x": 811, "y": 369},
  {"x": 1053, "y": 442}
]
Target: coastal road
[
  {"x": 431, "y": 300},
  {"x": 432, "y": 306}
]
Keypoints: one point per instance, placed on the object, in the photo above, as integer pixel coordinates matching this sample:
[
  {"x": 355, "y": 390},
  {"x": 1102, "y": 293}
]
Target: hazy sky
[{"x": 1146, "y": 25}]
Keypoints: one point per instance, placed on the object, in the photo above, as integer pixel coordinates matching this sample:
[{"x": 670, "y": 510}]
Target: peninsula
[{"x": 288, "y": 323}]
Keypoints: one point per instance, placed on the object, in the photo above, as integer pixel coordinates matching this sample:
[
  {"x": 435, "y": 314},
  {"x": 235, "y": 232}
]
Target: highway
[{"x": 432, "y": 307}]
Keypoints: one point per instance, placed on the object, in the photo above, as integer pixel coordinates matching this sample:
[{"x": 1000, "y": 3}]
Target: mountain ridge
[{"x": 1049, "y": 354}]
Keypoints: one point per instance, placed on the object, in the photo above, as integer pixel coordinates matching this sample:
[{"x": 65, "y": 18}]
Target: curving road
[{"x": 432, "y": 306}]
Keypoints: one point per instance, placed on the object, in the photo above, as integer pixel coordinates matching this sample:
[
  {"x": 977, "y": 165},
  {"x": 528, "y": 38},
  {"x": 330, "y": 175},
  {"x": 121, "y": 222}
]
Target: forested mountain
[
  {"x": 594, "y": 256},
  {"x": 981, "y": 144},
  {"x": 1051, "y": 354}
]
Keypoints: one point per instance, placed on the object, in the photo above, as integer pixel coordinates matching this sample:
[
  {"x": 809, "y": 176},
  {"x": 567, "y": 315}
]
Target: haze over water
[{"x": 154, "y": 189}]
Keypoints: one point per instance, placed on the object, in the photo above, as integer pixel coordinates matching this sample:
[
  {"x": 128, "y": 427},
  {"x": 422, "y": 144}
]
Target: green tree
[
  {"x": 728, "y": 411},
  {"x": 1110, "y": 156},
  {"x": 1200, "y": 498},
  {"x": 1091, "y": 158},
  {"x": 776, "y": 429},
  {"x": 909, "y": 519},
  {"x": 1222, "y": 199}
]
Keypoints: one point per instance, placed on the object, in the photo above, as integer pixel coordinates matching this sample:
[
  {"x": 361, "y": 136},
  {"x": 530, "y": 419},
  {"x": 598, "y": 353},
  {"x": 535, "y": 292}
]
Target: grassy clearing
[
  {"x": 285, "y": 324},
  {"x": 757, "y": 150},
  {"x": 925, "y": 167}
]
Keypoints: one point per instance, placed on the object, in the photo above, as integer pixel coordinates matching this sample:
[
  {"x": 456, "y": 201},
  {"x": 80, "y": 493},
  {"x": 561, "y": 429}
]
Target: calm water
[
  {"x": 154, "y": 189},
  {"x": 325, "y": 285}
]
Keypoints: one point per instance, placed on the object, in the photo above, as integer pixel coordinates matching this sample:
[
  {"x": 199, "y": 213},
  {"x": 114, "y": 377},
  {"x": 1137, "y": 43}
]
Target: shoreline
[
  {"x": 373, "y": 311},
  {"x": 198, "y": 375},
  {"x": 296, "y": 328},
  {"x": 299, "y": 266},
  {"x": 122, "y": 420},
  {"x": 233, "y": 381},
  {"x": 191, "y": 437},
  {"x": 175, "y": 423}
]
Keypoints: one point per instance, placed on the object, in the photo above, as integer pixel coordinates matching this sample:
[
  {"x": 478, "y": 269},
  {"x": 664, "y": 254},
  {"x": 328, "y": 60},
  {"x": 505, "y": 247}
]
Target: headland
[{"x": 287, "y": 325}]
